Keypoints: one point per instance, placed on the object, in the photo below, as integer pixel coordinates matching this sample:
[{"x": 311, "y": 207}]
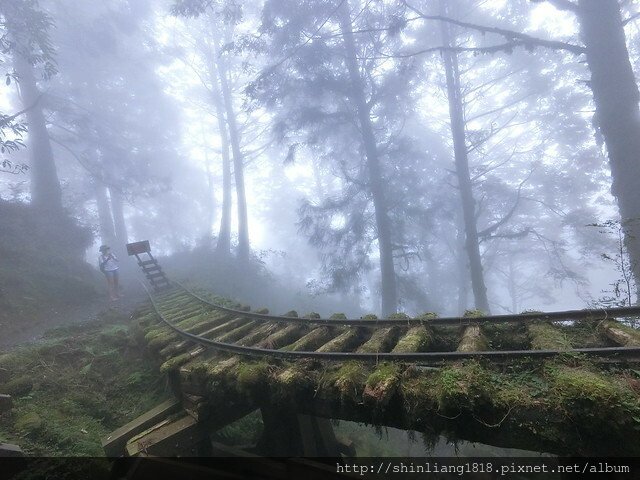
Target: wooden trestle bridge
[{"x": 566, "y": 383}]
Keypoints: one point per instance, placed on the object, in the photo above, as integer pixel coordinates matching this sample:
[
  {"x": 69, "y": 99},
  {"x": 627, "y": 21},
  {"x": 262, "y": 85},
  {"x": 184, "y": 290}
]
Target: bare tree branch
[
  {"x": 486, "y": 233},
  {"x": 511, "y": 35}
]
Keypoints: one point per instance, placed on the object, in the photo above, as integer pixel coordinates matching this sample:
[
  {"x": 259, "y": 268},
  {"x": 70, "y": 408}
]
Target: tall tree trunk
[
  {"x": 513, "y": 290},
  {"x": 211, "y": 197},
  {"x": 45, "y": 185},
  {"x": 107, "y": 232},
  {"x": 118, "y": 219},
  {"x": 462, "y": 266},
  {"x": 238, "y": 159},
  {"x": 456, "y": 113},
  {"x": 616, "y": 97},
  {"x": 385, "y": 247},
  {"x": 224, "y": 234}
]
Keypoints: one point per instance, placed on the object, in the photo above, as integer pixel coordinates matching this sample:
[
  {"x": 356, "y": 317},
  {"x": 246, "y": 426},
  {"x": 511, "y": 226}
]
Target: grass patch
[{"x": 77, "y": 386}]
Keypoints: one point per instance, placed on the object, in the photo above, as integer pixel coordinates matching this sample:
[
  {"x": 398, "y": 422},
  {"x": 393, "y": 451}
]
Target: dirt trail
[{"x": 15, "y": 335}]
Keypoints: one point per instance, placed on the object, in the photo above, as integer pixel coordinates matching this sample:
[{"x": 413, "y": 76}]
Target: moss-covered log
[
  {"x": 345, "y": 382},
  {"x": 345, "y": 342},
  {"x": 222, "y": 328},
  {"x": 382, "y": 340},
  {"x": 237, "y": 333},
  {"x": 417, "y": 339},
  {"x": 282, "y": 337},
  {"x": 545, "y": 336},
  {"x": 177, "y": 361},
  {"x": 473, "y": 340},
  {"x": 311, "y": 341},
  {"x": 259, "y": 334},
  {"x": 382, "y": 384},
  {"x": 621, "y": 334}
]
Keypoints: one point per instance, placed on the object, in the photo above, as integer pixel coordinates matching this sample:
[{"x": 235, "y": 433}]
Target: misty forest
[{"x": 378, "y": 160}]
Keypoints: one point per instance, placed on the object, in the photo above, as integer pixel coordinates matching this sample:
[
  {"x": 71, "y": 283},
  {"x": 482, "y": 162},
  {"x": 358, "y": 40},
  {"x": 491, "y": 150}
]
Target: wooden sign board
[{"x": 137, "y": 248}]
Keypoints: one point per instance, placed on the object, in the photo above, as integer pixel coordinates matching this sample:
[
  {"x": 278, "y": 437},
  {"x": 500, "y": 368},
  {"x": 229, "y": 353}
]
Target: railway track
[
  {"x": 375, "y": 340},
  {"x": 223, "y": 363}
]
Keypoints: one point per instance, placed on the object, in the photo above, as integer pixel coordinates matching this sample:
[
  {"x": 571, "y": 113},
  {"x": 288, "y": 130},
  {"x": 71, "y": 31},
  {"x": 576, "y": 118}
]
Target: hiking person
[{"x": 108, "y": 263}]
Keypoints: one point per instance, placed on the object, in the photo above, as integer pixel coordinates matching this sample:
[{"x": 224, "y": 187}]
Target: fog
[{"x": 328, "y": 156}]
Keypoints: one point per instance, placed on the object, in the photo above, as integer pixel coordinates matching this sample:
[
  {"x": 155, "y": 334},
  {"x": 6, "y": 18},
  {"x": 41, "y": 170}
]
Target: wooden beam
[
  {"x": 115, "y": 443},
  {"x": 10, "y": 450},
  {"x": 170, "y": 438}
]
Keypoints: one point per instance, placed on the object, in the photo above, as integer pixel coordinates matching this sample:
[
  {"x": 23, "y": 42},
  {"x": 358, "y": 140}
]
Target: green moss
[
  {"x": 417, "y": 339},
  {"x": 291, "y": 313},
  {"x": 348, "y": 380},
  {"x": 338, "y": 316},
  {"x": 163, "y": 339},
  {"x": 464, "y": 386},
  {"x": 252, "y": 379},
  {"x": 369, "y": 317},
  {"x": 545, "y": 336},
  {"x": 576, "y": 384},
  {"x": 28, "y": 423},
  {"x": 18, "y": 386},
  {"x": 342, "y": 342},
  {"x": 381, "y": 341},
  {"x": 237, "y": 333},
  {"x": 9, "y": 360},
  {"x": 79, "y": 393},
  {"x": 507, "y": 336},
  {"x": 312, "y": 315},
  {"x": 427, "y": 316},
  {"x": 258, "y": 334},
  {"x": 419, "y": 395},
  {"x": 383, "y": 372},
  {"x": 311, "y": 341},
  {"x": 282, "y": 337},
  {"x": 382, "y": 383},
  {"x": 262, "y": 311},
  {"x": 175, "y": 362},
  {"x": 473, "y": 340},
  {"x": 473, "y": 313}
]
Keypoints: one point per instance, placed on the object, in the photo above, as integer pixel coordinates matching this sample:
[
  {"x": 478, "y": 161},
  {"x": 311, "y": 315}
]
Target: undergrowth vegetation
[
  {"x": 76, "y": 386},
  {"x": 42, "y": 263}
]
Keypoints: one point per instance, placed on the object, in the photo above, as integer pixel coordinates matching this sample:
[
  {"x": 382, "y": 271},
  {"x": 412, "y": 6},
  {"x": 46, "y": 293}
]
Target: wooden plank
[
  {"x": 143, "y": 263},
  {"x": 168, "y": 439},
  {"x": 6, "y": 403},
  {"x": 155, "y": 275},
  {"x": 115, "y": 443},
  {"x": 10, "y": 450},
  {"x": 137, "y": 248}
]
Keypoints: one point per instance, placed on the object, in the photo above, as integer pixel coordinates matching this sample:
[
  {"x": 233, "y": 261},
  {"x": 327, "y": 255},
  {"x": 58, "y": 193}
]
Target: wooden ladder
[{"x": 150, "y": 266}]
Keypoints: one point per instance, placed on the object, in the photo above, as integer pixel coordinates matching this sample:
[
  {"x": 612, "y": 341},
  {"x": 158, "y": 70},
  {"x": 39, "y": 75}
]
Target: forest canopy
[{"x": 378, "y": 155}]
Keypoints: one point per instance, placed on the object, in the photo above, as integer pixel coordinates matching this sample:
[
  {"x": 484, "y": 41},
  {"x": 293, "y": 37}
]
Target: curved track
[{"x": 192, "y": 299}]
